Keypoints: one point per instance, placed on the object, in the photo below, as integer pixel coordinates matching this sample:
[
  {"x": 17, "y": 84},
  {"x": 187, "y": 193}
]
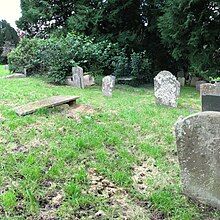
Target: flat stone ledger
[
  {"x": 198, "y": 146},
  {"x": 211, "y": 103},
  {"x": 166, "y": 89},
  {"x": 108, "y": 83},
  {"x": 15, "y": 76},
  {"x": 77, "y": 77},
  {"x": 48, "y": 102}
]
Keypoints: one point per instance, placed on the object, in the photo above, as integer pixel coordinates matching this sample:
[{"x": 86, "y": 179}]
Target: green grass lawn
[{"x": 120, "y": 163}]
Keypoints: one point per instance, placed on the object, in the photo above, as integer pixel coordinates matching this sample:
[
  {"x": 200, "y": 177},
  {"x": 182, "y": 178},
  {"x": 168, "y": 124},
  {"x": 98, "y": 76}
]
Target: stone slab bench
[{"x": 48, "y": 102}]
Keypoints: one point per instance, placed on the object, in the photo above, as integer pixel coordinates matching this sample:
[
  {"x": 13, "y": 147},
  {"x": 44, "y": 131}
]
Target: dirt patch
[
  {"x": 147, "y": 177},
  {"x": 79, "y": 110},
  {"x": 117, "y": 198}
]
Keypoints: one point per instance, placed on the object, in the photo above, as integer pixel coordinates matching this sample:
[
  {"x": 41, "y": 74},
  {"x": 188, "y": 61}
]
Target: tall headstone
[
  {"x": 6, "y": 67},
  {"x": 108, "y": 83},
  {"x": 77, "y": 77},
  {"x": 198, "y": 146},
  {"x": 182, "y": 81},
  {"x": 25, "y": 71},
  {"x": 166, "y": 89}
]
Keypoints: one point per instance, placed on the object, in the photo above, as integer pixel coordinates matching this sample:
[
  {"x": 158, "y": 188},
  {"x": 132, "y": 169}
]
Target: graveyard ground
[{"x": 119, "y": 162}]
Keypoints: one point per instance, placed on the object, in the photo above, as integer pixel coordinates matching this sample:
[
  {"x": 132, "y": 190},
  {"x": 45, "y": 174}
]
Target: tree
[
  {"x": 130, "y": 23},
  {"x": 190, "y": 28},
  {"x": 43, "y": 17},
  {"x": 8, "y": 40}
]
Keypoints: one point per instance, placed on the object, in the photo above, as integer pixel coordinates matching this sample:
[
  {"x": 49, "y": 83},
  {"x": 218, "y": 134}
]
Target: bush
[{"x": 54, "y": 58}]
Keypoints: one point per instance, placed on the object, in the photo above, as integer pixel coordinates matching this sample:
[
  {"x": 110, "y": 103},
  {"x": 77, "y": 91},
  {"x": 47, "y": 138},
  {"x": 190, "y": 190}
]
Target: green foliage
[
  {"x": 190, "y": 28},
  {"x": 54, "y": 57},
  {"x": 8, "y": 40},
  {"x": 131, "y": 24}
]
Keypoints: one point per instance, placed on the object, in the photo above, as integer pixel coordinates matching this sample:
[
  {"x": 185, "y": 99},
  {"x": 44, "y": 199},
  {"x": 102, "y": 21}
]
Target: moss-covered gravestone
[{"x": 198, "y": 146}]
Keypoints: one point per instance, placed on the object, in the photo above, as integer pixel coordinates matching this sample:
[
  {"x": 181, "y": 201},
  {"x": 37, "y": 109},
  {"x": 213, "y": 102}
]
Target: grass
[{"x": 47, "y": 159}]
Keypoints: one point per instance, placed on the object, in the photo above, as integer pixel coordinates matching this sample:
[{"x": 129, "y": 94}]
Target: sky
[{"x": 10, "y": 11}]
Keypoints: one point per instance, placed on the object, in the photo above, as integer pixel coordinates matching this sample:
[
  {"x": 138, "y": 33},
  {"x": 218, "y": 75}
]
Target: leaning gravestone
[
  {"x": 108, "y": 83},
  {"x": 166, "y": 89},
  {"x": 198, "y": 146},
  {"x": 77, "y": 77}
]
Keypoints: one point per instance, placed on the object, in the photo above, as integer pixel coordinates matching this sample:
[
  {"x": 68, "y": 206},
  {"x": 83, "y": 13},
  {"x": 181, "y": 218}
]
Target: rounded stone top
[{"x": 165, "y": 74}]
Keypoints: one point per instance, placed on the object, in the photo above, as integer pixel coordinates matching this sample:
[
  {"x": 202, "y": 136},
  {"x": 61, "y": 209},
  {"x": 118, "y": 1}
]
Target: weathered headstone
[
  {"x": 6, "y": 67},
  {"x": 210, "y": 89},
  {"x": 199, "y": 83},
  {"x": 77, "y": 77},
  {"x": 25, "y": 71},
  {"x": 166, "y": 89},
  {"x": 89, "y": 80},
  {"x": 193, "y": 81},
  {"x": 211, "y": 103},
  {"x": 182, "y": 81},
  {"x": 198, "y": 146},
  {"x": 108, "y": 83},
  {"x": 180, "y": 73}
]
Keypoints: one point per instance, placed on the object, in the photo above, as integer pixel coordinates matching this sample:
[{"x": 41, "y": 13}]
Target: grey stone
[
  {"x": 25, "y": 71},
  {"x": 198, "y": 146},
  {"x": 193, "y": 81},
  {"x": 182, "y": 81},
  {"x": 45, "y": 103},
  {"x": 15, "y": 75},
  {"x": 108, "y": 83},
  {"x": 166, "y": 89},
  {"x": 180, "y": 74},
  {"x": 6, "y": 67},
  {"x": 199, "y": 83},
  {"x": 210, "y": 89},
  {"x": 89, "y": 80},
  {"x": 77, "y": 77},
  {"x": 211, "y": 103}
]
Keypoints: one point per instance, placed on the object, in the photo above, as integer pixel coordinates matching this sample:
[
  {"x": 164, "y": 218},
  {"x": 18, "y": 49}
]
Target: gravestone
[
  {"x": 108, "y": 83},
  {"x": 199, "y": 83},
  {"x": 198, "y": 146},
  {"x": 166, "y": 89},
  {"x": 182, "y": 81},
  {"x": 15, "y": 76},
  {"x": 45, "y": 103},
  {"x": 211, "y": 103},
  {"x": 77, "y": 77},
  {"x": 89, "y": 80},
  {"x": 25, "y": 71},
  {"x": 6, "y": 67},
  {"x": 193, "y": 81},
  {"x": 210, "y": 89}
]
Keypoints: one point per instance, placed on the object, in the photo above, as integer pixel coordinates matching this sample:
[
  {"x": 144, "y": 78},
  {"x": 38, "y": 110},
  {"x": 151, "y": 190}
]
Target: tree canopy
[
  {"x": 8, "y": 39},
  {"x": 175, "y": 34},
  {"x": 191, "y": 30}
]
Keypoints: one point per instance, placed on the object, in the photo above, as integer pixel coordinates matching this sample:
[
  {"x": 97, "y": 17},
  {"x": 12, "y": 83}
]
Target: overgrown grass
[{"x": 46, "y": 157}]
